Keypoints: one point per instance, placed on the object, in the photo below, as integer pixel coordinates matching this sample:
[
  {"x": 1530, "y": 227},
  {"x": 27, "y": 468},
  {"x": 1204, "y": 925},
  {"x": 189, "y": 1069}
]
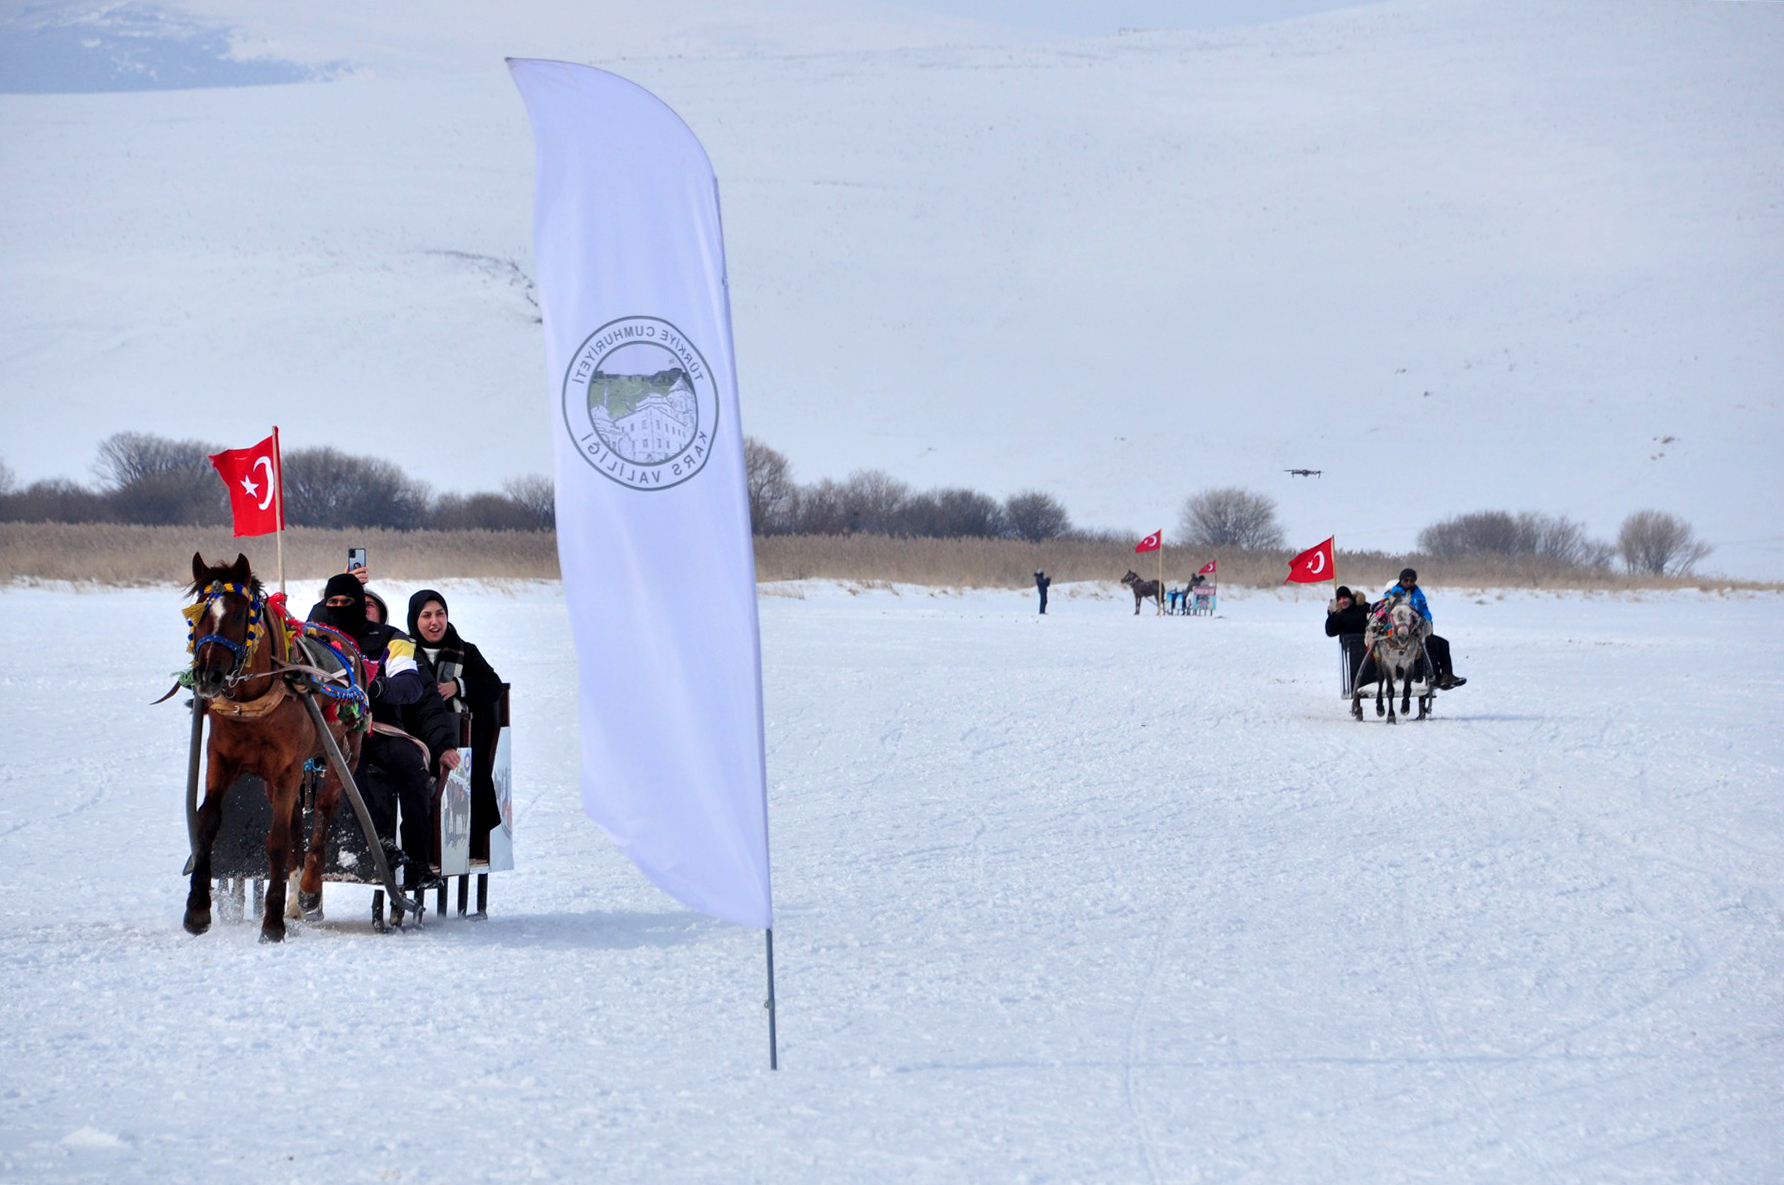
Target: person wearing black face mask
[{"x": 394, "y": 768}]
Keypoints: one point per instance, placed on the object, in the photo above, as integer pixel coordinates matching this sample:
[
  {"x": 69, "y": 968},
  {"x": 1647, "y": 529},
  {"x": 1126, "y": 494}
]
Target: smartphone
[{"x": 355, "y": 558}]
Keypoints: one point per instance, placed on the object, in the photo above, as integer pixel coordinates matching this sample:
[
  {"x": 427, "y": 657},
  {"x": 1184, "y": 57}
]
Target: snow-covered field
[{"x": 1082, "y": 898}]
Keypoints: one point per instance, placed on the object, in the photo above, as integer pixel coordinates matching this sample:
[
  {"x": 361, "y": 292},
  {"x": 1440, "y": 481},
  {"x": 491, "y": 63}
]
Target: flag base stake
[{"x": 773, "y": 1040}]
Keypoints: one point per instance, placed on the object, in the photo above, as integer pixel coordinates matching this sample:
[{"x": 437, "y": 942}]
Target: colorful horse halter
[{"x": 243, "y": 651}]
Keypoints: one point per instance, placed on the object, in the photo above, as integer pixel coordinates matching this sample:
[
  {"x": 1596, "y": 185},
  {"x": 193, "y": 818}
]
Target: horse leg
[
  {"x": 1356, "y": 703},
  {"x": 309, "y": 889},
  {"x": 1381, "y": 680},
  {"x": 217, "y": 780},
  {"x": 1389, "y": 681},
  {"x": 1406, "y": 693},
  {"x": 294, "y": 866},
  {"x": 281, "y": 788}
]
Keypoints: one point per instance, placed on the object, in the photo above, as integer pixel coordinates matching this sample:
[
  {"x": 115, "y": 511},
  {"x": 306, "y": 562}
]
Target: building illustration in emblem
[{"x": 644, "y": 418}]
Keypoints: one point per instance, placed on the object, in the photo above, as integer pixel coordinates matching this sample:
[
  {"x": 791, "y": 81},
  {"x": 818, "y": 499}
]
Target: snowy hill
[{"x": 1456, "y": 254}]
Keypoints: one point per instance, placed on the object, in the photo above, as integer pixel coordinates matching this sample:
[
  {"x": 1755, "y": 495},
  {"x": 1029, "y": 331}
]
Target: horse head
[
  {"x": 1132, "y": 577},
  {"x": 228, "y": 619}
]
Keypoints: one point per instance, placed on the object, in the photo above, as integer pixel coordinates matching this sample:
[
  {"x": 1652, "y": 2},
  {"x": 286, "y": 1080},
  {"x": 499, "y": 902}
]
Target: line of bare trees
[
  {"x": 1650, "y": 542},
  {"x": 873, "y": 502},
  {"x": 143, "y": 478}
]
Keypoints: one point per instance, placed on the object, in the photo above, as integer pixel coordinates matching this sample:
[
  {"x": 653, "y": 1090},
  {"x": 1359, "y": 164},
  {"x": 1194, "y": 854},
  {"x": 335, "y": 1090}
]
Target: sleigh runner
[{"x": 238, "y": 857}]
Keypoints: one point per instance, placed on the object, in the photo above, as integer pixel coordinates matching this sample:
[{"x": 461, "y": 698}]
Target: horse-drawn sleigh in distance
[
  {"x": 1196, "y": 599},
  {"x": 288, "y": 707}
]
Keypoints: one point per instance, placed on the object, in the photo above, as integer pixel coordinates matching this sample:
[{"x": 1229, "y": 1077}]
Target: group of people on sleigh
[
  {"x": 1348, "y": 617},
  {"x": 421, "y": 684}
]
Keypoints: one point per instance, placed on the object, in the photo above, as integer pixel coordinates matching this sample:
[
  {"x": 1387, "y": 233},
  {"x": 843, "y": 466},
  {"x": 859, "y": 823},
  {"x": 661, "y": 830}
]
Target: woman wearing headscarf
[{"x": 471, "y": 687}]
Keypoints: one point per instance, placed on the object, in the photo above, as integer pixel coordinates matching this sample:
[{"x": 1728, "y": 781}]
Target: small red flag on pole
[
  {"x": 1151, "y": 542},
  {"x": 1312, "y": 566},
  {"x": 252, "y": 475},
  {"x": 1207, "y": 569}
]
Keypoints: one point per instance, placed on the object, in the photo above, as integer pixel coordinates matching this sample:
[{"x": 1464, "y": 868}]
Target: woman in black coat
[{"x": 468, "y": 686}]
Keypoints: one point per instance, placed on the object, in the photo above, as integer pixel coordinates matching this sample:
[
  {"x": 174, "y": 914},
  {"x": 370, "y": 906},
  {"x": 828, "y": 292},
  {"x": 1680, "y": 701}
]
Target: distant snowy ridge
[{"x": 1457, "y": 254}]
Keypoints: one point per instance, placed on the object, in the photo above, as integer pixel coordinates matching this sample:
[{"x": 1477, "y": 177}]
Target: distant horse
[
  {"x": 258, "y": 726},
  {"x": 1395, "y": 642},
  {"x": 1144, "y": 589}
]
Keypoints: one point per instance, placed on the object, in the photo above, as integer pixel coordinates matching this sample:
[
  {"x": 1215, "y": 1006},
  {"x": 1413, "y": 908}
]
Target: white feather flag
[{"x": 653, "y": 517}]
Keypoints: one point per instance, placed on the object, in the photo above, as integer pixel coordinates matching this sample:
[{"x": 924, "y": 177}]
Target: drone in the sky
[{"x": 1302, "y": 472}]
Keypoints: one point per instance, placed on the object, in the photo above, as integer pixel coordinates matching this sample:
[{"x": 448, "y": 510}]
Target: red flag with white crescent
[
  {"x": 1311, "y": 566},
  {"x": 252, "y": 475},
  {"x": 1207, "y": 569},
  {"x": 1151, "y": 542}
]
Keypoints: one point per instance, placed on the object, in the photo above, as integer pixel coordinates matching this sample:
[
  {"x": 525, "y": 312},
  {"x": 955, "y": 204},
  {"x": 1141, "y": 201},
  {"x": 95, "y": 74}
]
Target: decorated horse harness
[{"x": 316, "y": 642}]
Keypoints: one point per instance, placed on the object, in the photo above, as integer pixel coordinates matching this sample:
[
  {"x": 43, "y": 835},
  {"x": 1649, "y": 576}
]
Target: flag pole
[
  {"x": 279, "y": 485},
  {"x": 773, "y": 1039},
  {"x": 1161, "y": 574}
]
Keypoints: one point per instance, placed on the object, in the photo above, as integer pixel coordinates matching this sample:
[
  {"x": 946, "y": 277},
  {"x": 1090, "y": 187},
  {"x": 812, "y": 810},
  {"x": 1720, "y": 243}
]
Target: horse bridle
[{"x": 243, "y": 651}]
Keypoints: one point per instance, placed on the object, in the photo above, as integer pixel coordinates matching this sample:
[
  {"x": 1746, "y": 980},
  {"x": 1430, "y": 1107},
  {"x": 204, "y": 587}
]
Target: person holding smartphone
[
  {"x": 396, "y": 771},
  {"x": 468, "y": 686}
]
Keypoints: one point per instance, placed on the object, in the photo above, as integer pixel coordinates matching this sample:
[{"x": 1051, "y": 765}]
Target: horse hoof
[
  {"x": 272, "y": 936},
  {"x": 197, "y": 923},
  {"x": 310, "y": 903}
]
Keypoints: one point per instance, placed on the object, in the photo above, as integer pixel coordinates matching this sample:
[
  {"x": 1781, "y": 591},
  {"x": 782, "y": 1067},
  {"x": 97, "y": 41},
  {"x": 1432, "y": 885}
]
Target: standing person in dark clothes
[
  {"x": 394, "y": 771},
  {"x": 1041, "y": 581},
  {"x": 1346, "y": 620},
  {"x": 469, "y": 686}
]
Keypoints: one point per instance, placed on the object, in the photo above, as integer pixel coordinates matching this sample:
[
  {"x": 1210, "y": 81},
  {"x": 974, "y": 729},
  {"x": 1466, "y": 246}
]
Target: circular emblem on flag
[{"x": 640, "y": 403}]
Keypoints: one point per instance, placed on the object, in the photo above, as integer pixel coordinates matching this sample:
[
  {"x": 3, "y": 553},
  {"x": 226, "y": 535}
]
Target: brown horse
[
  {"x": 259, "y": 726},
  {"x": 1144, "y": 589}
]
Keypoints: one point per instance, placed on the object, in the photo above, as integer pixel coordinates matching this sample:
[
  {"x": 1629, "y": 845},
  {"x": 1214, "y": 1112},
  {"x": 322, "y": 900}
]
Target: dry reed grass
[
  {"x": 106, "y": 553},
  {"x": 134, "y": 555}
]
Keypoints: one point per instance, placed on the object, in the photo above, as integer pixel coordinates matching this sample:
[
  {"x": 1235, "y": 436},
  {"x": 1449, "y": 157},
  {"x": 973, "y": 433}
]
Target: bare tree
[
  {"x": 1035, "y": 516},
  {"x": 6, "y": 478},
  {"x": 480, "y": 512},
  {"x": 151, "y": 479},
  {"x": 1656, "y": 543},
  {"x": 771, "y": 489},
  {"x": 820, "y": 509},
  {"x": 1230, "y": 517},
  {"x": 950, "y": 514},
  {"x": 328, "y": 488},
  {"x": 871, "y": 501},
  {"x": 57, "y": 500},
  {"x": 1498, "y": 532},
  {"x": 535, "y": 495}
]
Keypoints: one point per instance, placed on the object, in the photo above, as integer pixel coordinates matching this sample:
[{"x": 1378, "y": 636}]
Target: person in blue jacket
[{"x": 1436, "y": 648}]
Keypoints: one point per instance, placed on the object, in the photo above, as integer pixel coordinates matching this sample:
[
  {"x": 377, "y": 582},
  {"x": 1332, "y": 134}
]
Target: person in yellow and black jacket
[{"x": 394, "y": 771}]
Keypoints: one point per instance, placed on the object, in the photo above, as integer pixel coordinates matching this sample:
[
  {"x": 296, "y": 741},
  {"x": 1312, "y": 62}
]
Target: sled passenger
[
  {"x": 468, "y": 686},
  {"x": 1346, "y": 620},
  {"x": 1436, "y": 649},
  {"x": 394, "y": 771}
]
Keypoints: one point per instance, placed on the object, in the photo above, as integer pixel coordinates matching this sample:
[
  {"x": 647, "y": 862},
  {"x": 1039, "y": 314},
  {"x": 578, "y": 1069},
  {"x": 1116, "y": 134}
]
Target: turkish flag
[
  {"x": 1207, "y": 569},
  {"x": 1151, "y": 542},
  {"x": 252, "y": 475},
  {"x": 1312, "y": 566}
]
